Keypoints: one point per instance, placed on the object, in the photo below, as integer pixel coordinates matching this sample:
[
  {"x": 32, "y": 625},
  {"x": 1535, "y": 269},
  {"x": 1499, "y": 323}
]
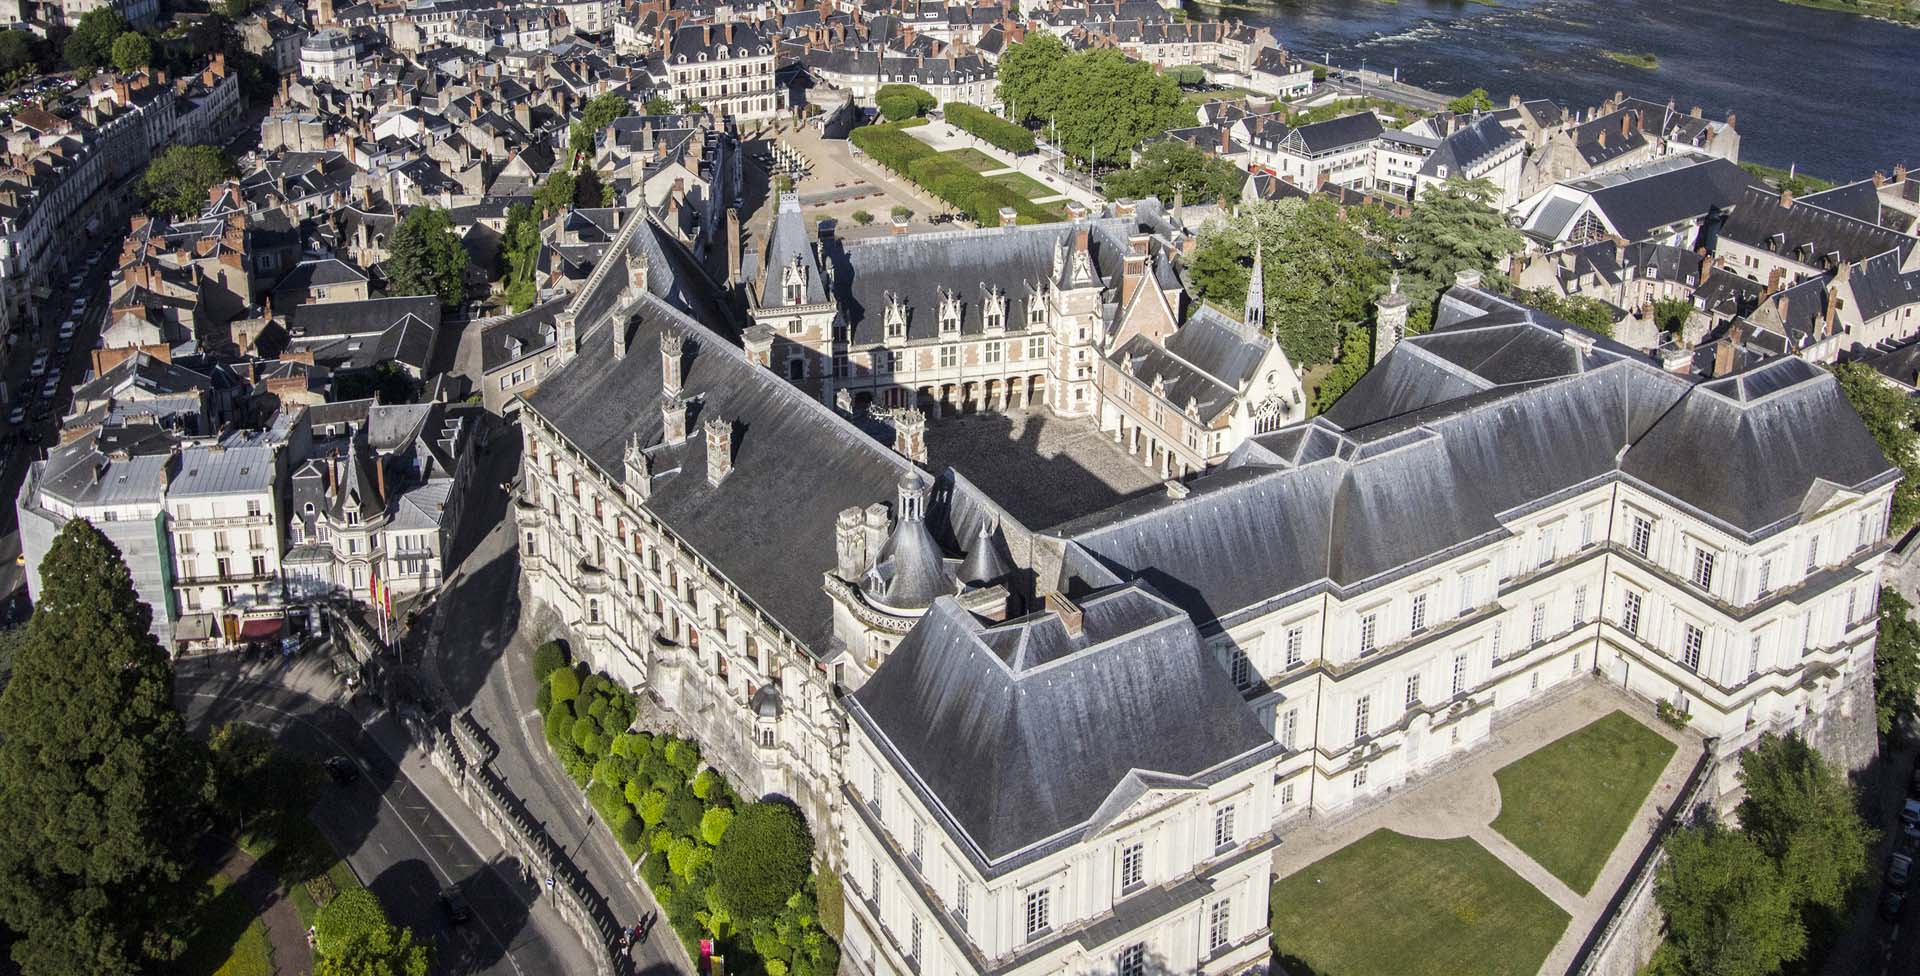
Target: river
[{"x": 1816, "y": 88}]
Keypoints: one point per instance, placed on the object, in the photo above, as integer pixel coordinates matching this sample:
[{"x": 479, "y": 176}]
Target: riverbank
[{"x": 1895, "y": 12}]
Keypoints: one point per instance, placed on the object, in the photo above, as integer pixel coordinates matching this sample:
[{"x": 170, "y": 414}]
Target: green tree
[
  {"x": 548, "y": 657},
  {"x": 659, "y": 106},
  {"x": 388, "y": 950},
  {"x": 1728, "y": 911},
  {"x": 1671, "y": 314},
  {"x": 597, "y": 115},
  {"x": 234, "y": 9},
  {"x": 714, "y": 824},
  {"x": 1105, "y": 103},
  {"x": 1454, "y": 227},
  {"x": 102, "y": 792},
  {"x": 425, "y": 258},
  {"x": 19, "y": 51},
  {"x": 1473, "y": 101},
  {"x": 1890, "y": 417},
  {"x": 862, "y": 217},
  {"x": 350, "y": 915},
  {"x": 91, "y": 43},
  {"x": 1896, "y": 662},
  {"x": 1585, "y": 311},
  {"x": 565, "y": 683},
  {"x": 1023, "y": 73},
  {"x": 1169, "y": 168},
  {"x": 177, "y": 180},
  {"x": 132, "y": 51},
  {"x": 253, "y": 778},
  {"x": 1356, "y": 357},
  {"x": 762, "y": 860},
  {"x": 1801, "y": 812},
  {"x": 555, "y": 194},
  {"x": 1321, "y": 272}
]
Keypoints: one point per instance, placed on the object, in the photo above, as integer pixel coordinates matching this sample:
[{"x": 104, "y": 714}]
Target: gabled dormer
[
  {"x": 993, "y": 309},
  {"x": 793, "y": 282},
  {"x": 949, "y": 314},
  {"x": 896, "y": 320}
]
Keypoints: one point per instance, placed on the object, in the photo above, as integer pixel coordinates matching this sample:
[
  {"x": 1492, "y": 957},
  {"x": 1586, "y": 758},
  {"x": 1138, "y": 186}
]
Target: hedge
[
  {"x": 922, "y": 99},
  {"x": 997, "y": 132}
]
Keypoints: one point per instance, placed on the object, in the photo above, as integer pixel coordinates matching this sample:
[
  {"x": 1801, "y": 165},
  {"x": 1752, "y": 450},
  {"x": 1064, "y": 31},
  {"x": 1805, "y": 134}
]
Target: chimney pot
[{"x": 1068, "y": 612}]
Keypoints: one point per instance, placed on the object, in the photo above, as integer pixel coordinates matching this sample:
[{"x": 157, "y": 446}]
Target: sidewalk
[
  {"x": 292, "y": 955},
  {"x": 1462, "y": 800}
]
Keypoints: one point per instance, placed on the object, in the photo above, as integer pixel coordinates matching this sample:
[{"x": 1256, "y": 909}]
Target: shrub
[
  {"x": 714, "y": 823},
  {"x": 894, "y": 108},
  {"x": 683, "y": 756},
  {"x": 548, "y": 658},
  {"x": 684, "y": 811},
  {"x": 653, "y": 871},
  {"x": 704, "y": 783},
  {"x": 652, "y": 807},
  {"x": 583, "y": 731},
  {"x": 1670, "y": 714},
  {"x": 559, "y": 727},
  {"x": 543, "y": 699},
  {"x": 764, "y": 860},
  {"x": 992, "y": 129},
  {"x": 831, "y": 906},
  {"x": 604, "y": 798},
  {"x": 920, "y": 99},
  {"x": 580, "y": 770},
  {"x": 565, "y": 684},
  {"x": 630, "y": 833},
  {"x": 613, "y": 770},
  {"x": 632, "y": 745},
  {"x": 621, "y": 815},
  {"x": 862, "y": 217}
]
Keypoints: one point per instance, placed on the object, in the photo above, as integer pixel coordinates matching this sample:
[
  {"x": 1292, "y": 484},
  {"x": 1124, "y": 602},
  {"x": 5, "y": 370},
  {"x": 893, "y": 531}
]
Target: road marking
[{"x": 505, "y": 946}]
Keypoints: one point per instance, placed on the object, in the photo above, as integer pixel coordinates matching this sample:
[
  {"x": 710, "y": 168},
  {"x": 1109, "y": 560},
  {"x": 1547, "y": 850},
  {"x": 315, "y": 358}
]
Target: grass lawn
[
  {"x": 1567, "y": 803},
  {"x": 974, "y": 159},
  {"x": 229, "y": 941},
  {"x": 1024, "y": 185},
  {"x": 292, "y": 847},
  {"x": 1194, "y": 99},
  {"x": 1394, "y": 905}
]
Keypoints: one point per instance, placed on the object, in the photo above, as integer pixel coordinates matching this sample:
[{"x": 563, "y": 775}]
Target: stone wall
[
  {"x": 1845, "y": 731},
  {"x": 1625, "y": 936}
]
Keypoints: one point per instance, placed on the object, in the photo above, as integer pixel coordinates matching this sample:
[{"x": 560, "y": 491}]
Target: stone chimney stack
[
  {"x": 849, "y": 545},
  {"x": 733, "y": 245},
  {"x": 910, "y": 434},
  {"x": 673, "y": 419},
  {"x": 619, "y": 338},
  {"x": 719, "y": 433},
  {"x": 758, "y": 341},
  {"x": 1786, "y": 199},
  {"x": 1390, "y": 319},
  {"x": 566, "y": 335},
  {"x": 1068, "y": 611},
  {"x": 672, "y": 345},
  {"x": 876, "y": 526},
  {"x": 1467, "y": 278}
]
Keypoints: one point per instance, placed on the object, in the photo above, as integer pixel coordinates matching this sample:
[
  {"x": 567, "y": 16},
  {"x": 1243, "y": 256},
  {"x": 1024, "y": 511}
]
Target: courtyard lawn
[
  {"x": 1392, "y": 905},
  {"x": 974, "y": 159},
  {"x": 1194, "y": 99},
  {"x": 1567, "y": 803},
  {"x": 1024, "y": 185},
  {"x": 229, "y": 941}
]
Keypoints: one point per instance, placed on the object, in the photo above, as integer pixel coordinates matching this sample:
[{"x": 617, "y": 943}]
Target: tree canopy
[
  {"x": 1170, "y": 168},
  {"x": 424, "y": 258},
  {"x": 352, "y": 937},
  {"x": 102, "y": 791},
  {"x": 20, "y": 51},
  {"x": 1896, "y": 661},
  {"x": 1890, "y": 417},
  {"x": 1473, "y": 101},
  {"x": 762, "y": 860},
  {"x": 1096, "y": 104},
  {"x": 91, "y": 43},
  {"x": 1321, "y": 272},
  {"x": 177, "y": 181},
  {"x": 132, "y": 51},
  {"x": 1800, "y": 811},
  {"x": 1454, "y": 227},
  {"x": 1728, "y": 911},
  {"x": 898, "y": 101},
  {"x": 597, "y": 115},
  {"x": 1585, "y": 311}
]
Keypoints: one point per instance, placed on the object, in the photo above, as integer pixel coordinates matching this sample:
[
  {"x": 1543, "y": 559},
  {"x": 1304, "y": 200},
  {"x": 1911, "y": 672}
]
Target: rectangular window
[
  {"x": 1289, "y": 725},
  {"x": 1413, "y": 688},
  {"x": 960, "y": 901},
  {"x": 949, "y": 357},
  {"x": 1468, "y": 583},
  {"x": 1133, "y": 863},
  {"x": 1037, "y": 346},
  {"x": 1864, "y": 533},
  {"x": 1418, "y": 622},
  {"x": 1459, "y": 674},
  {"x": 1132, "y": 961},
  {"x": 1362, "y": 717},
  {"x": 1367, "y": 625},
  {"x": 1296, "y": 641},
  {"x": 1219, "y": 924},
  {"x": 1630, "y": 614},
  {"x": 1753, "y": 657},
  {"x": 1539, "y": 632},
  {"x": 1766, "y": 576},
  {"x": 1498, "y": 629},
  {"x": 919, "y": 840},
  {"x": 992, "y": 353},
  {"x": 1039, "y": 913},
  {"x": 1586, "y": 529},
  {"x": 1580, "y": 604},
  {"x": 1242, "y": 670},
  {"x": 1853, "y": 604},
  {"x": 1813, "y": 554},
  {"x": 1703, "y": 569},
  {"x": 1223, "y": 827},
  {"x": 1359, "y": 778},
  {"x": 1690, "y": 648},
  {"x": 914, "y": 937},
  {"x": 1642, "y": 539},
  {"x": 1286, "y": 794}
]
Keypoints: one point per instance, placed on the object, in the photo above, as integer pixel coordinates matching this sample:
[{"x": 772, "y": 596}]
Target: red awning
[{"x": 261, "y": 629}]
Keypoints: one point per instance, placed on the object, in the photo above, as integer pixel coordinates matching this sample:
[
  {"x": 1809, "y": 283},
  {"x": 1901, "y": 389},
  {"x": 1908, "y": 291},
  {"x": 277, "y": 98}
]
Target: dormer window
[
  {"x": 949, "y": 314},
  {"x": 995, "y": 310},
  {"x": 794, "y": 280},
  {"x": 1036, "y": 311},
  {"x": 896, "y": 318}
]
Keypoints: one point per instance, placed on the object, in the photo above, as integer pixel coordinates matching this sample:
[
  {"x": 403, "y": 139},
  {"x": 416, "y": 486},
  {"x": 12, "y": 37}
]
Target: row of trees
[
  {"x": 1097, "y": 104},
  {"x": 733, "y": 871},
  {"x": 989, "y": 128},
  {"x": 1325, "y": 265},
  {"x": 1746, "y": 902},
  {"x": 980, "y": 198}
]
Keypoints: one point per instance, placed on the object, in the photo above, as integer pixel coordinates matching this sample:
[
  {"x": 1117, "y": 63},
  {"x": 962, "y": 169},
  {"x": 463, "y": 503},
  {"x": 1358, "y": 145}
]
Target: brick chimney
[
  {"x": 719, "y": 433},
  {"x": 1008, "y": 217},
  {"x": 1068, "y": 611},
  {"x": 899, "y": 226},
  {"x": 1773, "y": 281},
  {"x": 673, "y": 419},
  {"x": 1786, "y": 199},
  {"x": 759, "y": 345},
  {"x": 910, "y": 434},
  {"x": 672, "y": 345},
  {"x": 733, "y": 245}
]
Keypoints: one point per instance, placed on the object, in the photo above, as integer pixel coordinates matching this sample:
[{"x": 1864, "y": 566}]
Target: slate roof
[
  {"x": 1480, "y": 139},
  {"x": 796, "y": 465},
  {"x": 1859, "y": 200},
  {"x": 1806, "y": 232},
  {"x": 1498, "y": 410},
  {"x": 1337, "y": 134},
  {"x": 1017, "y": 733},
  {"x": 1638, "y": 201}
]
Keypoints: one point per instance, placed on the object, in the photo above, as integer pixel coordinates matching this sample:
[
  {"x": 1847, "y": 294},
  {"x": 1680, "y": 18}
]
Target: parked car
[
  {"x": 1893, "y": 904},
  {"x": 17, "y": 416},
  {"x": 68, "y": 328},
  {"x": 1910, "y": 816},
  {"x": 40, "y": 362},
  {"x": 1899, "y": 871},
  {"x": 51, "y": 388},
  {"x": 342, "y": 769},
  {"x": 455, "y": 904}
]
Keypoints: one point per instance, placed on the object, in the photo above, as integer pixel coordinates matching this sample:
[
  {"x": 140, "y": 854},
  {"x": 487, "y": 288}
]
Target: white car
[
  {"x": 68, "y": 328},
  {"x": 18, "y": 416},
  {"x": 40, "y": 363}
]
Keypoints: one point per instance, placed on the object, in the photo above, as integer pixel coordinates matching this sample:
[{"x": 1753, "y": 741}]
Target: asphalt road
[{"x": 393, "y": 837}]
